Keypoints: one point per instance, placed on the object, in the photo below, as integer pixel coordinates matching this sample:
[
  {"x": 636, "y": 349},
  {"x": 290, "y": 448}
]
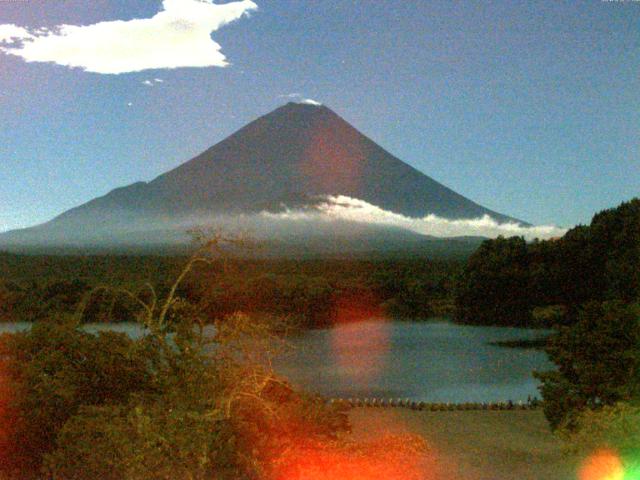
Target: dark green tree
[
  {"x": 598, "y": 362},
  {"x": 506, "y": 278},
  {"x": 493, "y": 288},
  {"x": 616, "y": 238}
]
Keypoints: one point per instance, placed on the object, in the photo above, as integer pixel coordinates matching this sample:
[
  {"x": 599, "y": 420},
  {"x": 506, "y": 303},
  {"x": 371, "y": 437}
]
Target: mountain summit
[{"x": 289, "y": 158}]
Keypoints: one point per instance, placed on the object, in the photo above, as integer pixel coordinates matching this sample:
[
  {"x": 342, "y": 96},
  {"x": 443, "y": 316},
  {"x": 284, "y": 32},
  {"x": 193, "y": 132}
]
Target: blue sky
[{"x": 529, "y": 108}]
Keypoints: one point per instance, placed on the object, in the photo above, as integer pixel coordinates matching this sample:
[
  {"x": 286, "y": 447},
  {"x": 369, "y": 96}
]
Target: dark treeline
[
  {"x": 587, "y": 286},
  {"x": 312, "y": 292},
  {"x": 507, "y": 281},
  {"x": 510, "y": 282}
]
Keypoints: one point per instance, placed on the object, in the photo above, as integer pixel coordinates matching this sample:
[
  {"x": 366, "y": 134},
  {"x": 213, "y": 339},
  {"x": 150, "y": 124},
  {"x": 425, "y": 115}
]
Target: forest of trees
[
  {"x": 544, "y": 283},
  {"x": 314, "y": 293},
  {"x": 586, "y": 285}
]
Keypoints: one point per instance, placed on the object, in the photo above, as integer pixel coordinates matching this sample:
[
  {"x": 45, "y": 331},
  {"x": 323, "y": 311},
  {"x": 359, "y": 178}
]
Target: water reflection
[
  {"x": 433, "y": 361},
  {"x": 424, "y": 361}
]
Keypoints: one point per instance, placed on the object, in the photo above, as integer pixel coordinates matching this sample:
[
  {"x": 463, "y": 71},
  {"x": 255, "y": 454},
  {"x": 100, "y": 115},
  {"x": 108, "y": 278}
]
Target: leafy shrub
[
  {"x": 615, "y": 427},
  {"x": 174, "y": 404},
  {"x": 143, "y": 441},
  {"x": 49, "y": 373},
  {"x": 598, "y": 362}
]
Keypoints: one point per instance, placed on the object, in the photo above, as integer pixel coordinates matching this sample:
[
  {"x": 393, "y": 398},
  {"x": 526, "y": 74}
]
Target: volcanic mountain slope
[{"x": 292, "y": 157}]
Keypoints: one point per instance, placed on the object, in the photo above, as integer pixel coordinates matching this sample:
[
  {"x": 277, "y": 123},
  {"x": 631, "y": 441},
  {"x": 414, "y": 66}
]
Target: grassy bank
[{"x": 475, "y": 445}]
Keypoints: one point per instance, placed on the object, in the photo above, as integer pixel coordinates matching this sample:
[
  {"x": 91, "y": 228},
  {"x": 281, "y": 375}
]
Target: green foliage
[
  {"x": 10, "y": 294},
  {"x": 34, "y": 288},
  {"x": 177, "y": 403},
  {"x": 144, "y": 440},
  {"x": 414, "y": 290},
  {"x": 175, "y": 430},
  {"x": 617, "y": 232},
  {"x": 52, "y": 371},
  {"x": 493, "y": 289},
  {"x": 598, "y": 362},
  {"x": 615, "y": 427},
  {"x": 549, "y": 315},
  {"x": 307, "y": 298},
  {"x": 505, "y": 279},
  {"x": 584, "y": 284}
]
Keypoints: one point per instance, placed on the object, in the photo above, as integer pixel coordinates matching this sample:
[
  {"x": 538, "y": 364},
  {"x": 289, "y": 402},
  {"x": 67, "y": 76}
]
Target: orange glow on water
[
  {"x": 360, "y": 349},
  {"x": 361, "y": 355},
  {"x": 602, "y": 465}
]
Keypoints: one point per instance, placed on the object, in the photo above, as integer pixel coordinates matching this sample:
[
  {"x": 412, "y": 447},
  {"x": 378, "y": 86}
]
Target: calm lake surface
[
  {"x": 426, "y": 361},
  {"x": 434, "y": 361}
]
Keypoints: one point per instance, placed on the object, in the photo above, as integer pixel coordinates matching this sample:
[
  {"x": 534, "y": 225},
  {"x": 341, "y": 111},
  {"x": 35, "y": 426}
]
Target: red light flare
[
  {"x": 604, "y": 464},
  {"x": 382, "y": 446},
  {"x": 7, "y": 416},
  {"x": 389, "y": 457},
  {"x": 360, "y": 348},
  {"x": 333, "y": 160}
]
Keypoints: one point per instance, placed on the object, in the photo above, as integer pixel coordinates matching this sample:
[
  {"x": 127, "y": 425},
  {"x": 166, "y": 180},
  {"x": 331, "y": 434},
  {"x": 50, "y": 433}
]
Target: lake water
[
  {"x": 423, "y": 361},
  {"x": 434, "y": 361}
]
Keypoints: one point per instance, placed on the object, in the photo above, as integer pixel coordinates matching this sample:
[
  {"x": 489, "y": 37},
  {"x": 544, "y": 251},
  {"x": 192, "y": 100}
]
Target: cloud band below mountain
[
  {"x": 351, "y": 209},
  {"x": 177, "y": 36}
]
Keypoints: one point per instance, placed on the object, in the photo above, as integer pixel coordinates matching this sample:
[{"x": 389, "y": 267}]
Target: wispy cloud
[
  {"x": 151, "y": 83},
  {"x": 177, "y": 36},
  {"x": 297, "y": 97},
  {"x": 351, "y": 209}
]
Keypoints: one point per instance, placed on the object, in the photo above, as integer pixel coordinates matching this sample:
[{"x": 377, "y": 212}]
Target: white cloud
[
  {"x": 345, "y": 208},
  {"x": 290, "y": 95},
  {"x": 177, "y": 36},
  {"x": 10, "y": 33},
  {"x": 300, "y": 99},
  {"x": 151, "y": 83}
]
